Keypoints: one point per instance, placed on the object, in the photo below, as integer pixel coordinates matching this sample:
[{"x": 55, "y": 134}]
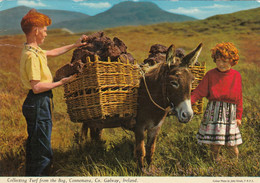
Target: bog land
[{"x": 177, "y": 152}]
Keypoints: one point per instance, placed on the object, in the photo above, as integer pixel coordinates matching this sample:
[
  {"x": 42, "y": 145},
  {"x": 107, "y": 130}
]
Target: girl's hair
[
  {"x": 34, "y": 19},
  {"x": 226, "y": 51}
]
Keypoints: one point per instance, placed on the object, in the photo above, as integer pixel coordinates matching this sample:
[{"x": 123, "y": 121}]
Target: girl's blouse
[{"x": 221, "y": 86}]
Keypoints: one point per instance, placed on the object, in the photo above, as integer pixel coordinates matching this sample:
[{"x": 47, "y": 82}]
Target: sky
[{"x": 197, "y": 9}]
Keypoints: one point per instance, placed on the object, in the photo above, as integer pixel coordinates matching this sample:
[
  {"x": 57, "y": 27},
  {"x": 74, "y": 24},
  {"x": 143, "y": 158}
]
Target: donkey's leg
[
  {"x": 96, "y": 134},
  {"x": 151, "y": 138},
  {"x": 84, "y": 131},
  {"x": 151, "y": 143},
  {"x": 139, "y": 146}
]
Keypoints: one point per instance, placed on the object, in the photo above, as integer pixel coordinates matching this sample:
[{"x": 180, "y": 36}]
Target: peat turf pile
[
  {"x": 97, "y": 44},
  {"x": 158, "y": 54}
]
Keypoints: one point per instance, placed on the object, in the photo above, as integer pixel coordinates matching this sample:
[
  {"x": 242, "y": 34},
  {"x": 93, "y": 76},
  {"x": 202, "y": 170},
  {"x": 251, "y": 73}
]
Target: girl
[{"x": 222, "y": 87}]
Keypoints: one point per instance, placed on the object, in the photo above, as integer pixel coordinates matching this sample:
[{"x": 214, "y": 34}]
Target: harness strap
[{"x": 168, "y": 109}]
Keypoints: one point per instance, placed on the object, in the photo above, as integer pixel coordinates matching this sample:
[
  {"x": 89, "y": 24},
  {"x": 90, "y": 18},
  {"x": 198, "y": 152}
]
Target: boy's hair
[
  {"x": 226, "y": 51},
  {"x": 34, "y": 19}
]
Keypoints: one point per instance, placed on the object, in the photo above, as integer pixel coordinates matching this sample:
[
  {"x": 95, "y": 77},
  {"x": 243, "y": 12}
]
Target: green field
[{"x": 177, "y": 152}]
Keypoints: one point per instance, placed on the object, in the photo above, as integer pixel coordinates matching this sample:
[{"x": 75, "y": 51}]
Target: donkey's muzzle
[
  {"x": 185, "y": 117},
  {"x": 184, "y": 111}
]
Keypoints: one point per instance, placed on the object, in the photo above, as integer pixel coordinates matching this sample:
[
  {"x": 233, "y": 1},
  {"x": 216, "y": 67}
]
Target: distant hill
[
  {"x": 134, "y": 13},
  {"x": 124, "y": 13},
  {"x": 10, "y": 19},
  {"x": 246, "y": 19},
  {"x": 242, "y": 22}
]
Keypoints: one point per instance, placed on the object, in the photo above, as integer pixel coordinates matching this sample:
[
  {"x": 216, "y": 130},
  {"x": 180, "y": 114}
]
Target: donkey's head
[{"x": 178, "y": 81}]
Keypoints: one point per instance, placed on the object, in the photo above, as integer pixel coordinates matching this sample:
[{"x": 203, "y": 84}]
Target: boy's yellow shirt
[{"x": 33, "y": 66}]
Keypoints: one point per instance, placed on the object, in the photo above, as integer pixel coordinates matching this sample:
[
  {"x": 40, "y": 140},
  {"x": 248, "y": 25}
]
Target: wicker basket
[
  {"x": 198, "y": 72},
  {"x": 107, "y": 91},
  {"x": 103, "y": 90}
]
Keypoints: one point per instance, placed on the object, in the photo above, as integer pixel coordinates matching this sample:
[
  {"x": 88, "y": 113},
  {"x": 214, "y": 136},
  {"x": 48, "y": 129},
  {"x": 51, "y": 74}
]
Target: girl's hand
[
  {"x": 238, "y": 122},
  {"x": 81, "y": 41}
]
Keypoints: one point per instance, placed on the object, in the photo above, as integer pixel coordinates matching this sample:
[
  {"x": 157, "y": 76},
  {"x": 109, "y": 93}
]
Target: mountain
[
  {"x": 124, "y": 13},
  {"x": 10, "y": 19}
]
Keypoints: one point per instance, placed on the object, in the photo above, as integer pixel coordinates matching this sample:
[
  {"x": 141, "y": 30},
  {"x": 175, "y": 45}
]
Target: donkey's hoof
[
  {"x": 145, "y": 172},
  {"x": 153, "y": 170}
]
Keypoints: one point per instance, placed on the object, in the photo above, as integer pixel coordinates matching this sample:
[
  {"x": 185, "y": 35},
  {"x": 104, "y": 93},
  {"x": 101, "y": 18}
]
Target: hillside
[
  {"x": 10, "y": 19},
  {"x": 246, "y": 19},
  {"x": 124, "y": 13},
  {"x": 242, "y": 22}
]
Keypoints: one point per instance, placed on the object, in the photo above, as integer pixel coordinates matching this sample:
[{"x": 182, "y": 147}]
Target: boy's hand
[
  {"x": 81, "y": 41},
  {"x": 67, "y": 79}
]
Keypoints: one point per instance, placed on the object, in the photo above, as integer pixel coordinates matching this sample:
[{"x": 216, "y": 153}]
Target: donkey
[{"x": 164, "y": 87}]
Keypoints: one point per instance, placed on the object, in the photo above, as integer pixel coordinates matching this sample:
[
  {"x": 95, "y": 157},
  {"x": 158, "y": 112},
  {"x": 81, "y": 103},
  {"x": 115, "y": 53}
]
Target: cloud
[
  {"x": 197, "y": 10},
  {"x": 203, "y": 11},
  {"x": 97, "y": 5},
  {"x": 31, "y": 3},
  {"x": 182, "y": 10},
  {"x": 216, "y": 6},
  {"x": 78, "y": 0}
]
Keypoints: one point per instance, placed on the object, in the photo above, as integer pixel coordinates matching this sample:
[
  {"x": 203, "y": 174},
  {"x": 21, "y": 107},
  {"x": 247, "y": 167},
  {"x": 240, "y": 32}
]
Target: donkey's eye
[{"x": 175, "y": 84}]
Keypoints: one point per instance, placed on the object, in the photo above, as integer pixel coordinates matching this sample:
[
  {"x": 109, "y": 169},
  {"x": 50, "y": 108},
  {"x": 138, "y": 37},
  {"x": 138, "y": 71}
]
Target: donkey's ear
[
  {"x": 192, "y": 57},
  {"x": 170, "y": 54}
]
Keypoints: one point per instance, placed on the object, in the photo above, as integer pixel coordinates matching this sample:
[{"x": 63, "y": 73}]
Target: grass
[{"x": 177, "y": 152}]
